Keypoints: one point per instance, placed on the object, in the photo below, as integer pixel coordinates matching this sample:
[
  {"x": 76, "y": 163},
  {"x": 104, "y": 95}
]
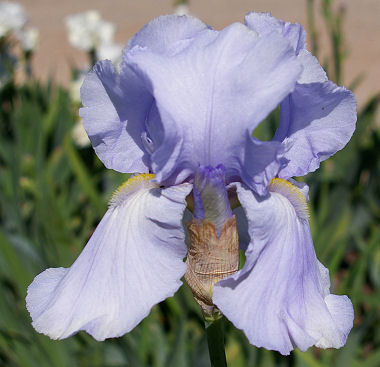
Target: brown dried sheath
[{"x": 210, "y": 258}]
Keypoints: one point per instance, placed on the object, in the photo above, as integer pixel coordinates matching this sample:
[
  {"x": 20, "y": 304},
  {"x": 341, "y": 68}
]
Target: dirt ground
[{"x": 362, "y": 29}]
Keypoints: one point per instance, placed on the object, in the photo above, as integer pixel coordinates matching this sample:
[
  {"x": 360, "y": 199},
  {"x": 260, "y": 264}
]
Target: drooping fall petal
[
  {"x": 133, "y": 260},
  {"x": 281, "y": 298}
]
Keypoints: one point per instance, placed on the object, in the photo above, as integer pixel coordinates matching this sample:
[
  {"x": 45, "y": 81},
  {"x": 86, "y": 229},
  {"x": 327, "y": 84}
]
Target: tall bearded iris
[{"x": 181, "y": 113}]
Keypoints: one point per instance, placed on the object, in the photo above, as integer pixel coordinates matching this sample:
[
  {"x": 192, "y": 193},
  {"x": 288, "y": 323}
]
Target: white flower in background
[
  {"x": 75, "y": 85},
  {"x": 182, "y": 9},
  {"x": 12, "y": 17},
  {"x": 110, "y": 51},
  {"x": 88, "y": 30},
  {"x": 28, "y": 38},
  {"x": 79, "y": 135}
]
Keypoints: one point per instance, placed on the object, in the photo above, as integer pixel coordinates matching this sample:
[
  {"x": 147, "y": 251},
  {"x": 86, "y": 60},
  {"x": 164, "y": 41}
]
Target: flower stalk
[{"x": 215, "y": 339}]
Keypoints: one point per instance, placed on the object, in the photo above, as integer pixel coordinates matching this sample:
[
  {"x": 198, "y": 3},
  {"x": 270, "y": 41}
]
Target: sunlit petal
[
  {"x": 113, "y": 115},
  {"x": 280, "y": 299},
  {"x": 133, "y": 260},
  {"x": 211, "y": 96},
  {"x": 317, "y": 119}
]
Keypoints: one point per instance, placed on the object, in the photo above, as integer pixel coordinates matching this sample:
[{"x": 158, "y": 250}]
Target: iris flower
[{"x": 181, "y": 113}]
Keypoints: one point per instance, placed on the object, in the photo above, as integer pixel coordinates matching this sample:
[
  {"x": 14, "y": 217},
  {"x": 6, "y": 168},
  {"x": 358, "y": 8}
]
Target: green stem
[
  {"x": 92, "y": 57},
  {"x": 311, "y": 27},
  {"x": 215, "y": 340}
]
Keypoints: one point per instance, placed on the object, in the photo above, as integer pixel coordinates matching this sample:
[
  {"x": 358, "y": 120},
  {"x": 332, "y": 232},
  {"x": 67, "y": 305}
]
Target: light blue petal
[
  {"x": 167, "y": 34},
  {"x": 113, "y": 115},
  {"x": 212, "y": 95},
  {"x": 280, "y": 299},
  {"x": 317, "y": 120},
  {"x": 312, "y": 71},
  {"x": 263, "y": 160},
  {"x": 264, "y": 23},
  {"x": 116, "y": 107},
  {"x": 133, "y": 260}
]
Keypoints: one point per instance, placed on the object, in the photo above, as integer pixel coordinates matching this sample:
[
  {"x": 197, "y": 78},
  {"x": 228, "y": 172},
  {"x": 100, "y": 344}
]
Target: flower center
[
  {"x": 214, "y": 244},
  {"x": 211, "y": 201}
]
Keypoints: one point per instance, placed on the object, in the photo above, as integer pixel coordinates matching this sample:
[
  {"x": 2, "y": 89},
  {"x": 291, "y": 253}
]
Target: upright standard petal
[
  {"x": 317, "y": 118},
  {"x": 114, "y": 112},
  {"x": 222, "y": 85},
  {"x": 133, "y": 260},
  {"x": 116, "y": 107},
  {"x": 167, "y": 34},
  {"x": 281, "y": 298},
  {"x": 264, "y": 23}
]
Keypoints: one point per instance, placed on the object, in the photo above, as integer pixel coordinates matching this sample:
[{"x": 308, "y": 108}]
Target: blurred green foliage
[{"x": 52, "y": 195}]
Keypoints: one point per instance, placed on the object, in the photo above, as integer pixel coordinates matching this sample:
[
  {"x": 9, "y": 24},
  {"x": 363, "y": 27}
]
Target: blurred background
[{"x": 54, "y": 190}]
